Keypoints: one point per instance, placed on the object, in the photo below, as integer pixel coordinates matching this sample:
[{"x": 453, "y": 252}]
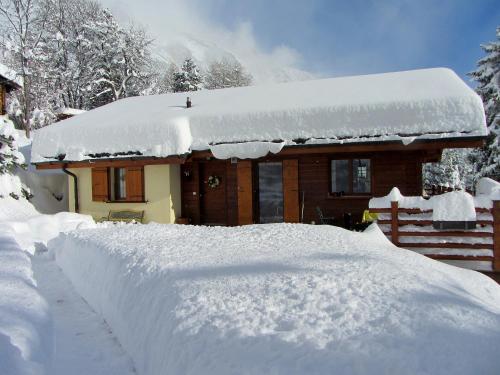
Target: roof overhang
[{"x": 354, "y": 147}]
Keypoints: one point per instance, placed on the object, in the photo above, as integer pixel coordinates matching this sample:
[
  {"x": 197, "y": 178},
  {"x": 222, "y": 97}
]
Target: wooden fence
[{"x": 412, "y": 228}]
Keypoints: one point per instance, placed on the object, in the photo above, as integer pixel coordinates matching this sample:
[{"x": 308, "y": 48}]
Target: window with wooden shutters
[
  {"x": 125, "y": 184},
  {"x": 134, "y": 179},
  {"x": 100, "y": 184}
]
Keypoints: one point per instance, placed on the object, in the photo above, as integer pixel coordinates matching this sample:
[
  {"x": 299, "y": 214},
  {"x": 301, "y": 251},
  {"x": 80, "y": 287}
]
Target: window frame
[
  {"x": 113, "y": 186},
  {"x": 349, "y": 193}
]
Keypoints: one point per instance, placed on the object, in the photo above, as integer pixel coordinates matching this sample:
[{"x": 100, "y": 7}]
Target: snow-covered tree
[
  {"x": 487, "y": 75},
  {"x": 10, "y": 160},
  {"x": 454, "y": 170},
  {"x": 225, "y": 73},
  {"x": 23, "y": 23},
  {"x": 189, "y": 78},
  {"x": 121, "y": 58},
  {"x": 162, "y": 77}
]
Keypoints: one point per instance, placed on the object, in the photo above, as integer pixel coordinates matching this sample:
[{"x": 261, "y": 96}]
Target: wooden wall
[{"x": 389, "y": 169}]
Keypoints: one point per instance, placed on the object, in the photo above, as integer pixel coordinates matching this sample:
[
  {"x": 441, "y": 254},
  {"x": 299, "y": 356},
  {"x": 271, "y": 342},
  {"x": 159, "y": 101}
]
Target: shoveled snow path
[{"x": 84, "y": 343}]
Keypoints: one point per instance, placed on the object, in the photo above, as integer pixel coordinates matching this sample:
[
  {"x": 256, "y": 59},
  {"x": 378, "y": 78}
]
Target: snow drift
[
  {"x": 26, "y": 345},
  {"x": 405, "y": 106},
  {"x": 282, "y": 299}
]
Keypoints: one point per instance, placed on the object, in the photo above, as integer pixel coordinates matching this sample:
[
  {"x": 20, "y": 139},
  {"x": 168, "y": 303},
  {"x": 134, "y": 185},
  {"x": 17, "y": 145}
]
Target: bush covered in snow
[
  {"x": 10, "y": 160},
  {"x": 282, "y": 299}
]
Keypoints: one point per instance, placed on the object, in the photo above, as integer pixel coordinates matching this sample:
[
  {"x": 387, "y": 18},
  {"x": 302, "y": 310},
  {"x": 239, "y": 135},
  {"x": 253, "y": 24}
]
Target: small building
[
  {"x": 261, "y": 154},
  {"x": 66, "y": 113},
  {"x": 8, "y": 82}
]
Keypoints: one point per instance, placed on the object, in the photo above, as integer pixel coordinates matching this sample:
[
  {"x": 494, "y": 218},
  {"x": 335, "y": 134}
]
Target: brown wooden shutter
[
  {"x": 100, "y": 186},
  {"x": 291, "y": 191},
  {"x": 134, "y": 177},
  {"x": 245, "y": 193}
]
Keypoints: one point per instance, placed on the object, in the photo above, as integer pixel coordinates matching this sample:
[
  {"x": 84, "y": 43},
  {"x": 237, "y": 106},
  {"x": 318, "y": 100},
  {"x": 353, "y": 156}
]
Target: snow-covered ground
[
  {"x": 25, "y": 322},
  {"x": 282, "y": 299},
  {"x": 84, "y": 344},
  {"x": 45, "y": 326}
]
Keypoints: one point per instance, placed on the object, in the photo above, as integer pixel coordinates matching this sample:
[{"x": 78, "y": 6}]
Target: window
[
  {"x": 124, "y": 184},
  {"x": 350, "y": 176},
  {"x": 118, "y": 182}
]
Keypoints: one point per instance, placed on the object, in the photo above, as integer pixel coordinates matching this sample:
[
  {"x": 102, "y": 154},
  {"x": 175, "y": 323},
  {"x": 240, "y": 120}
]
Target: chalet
[
  {"x": 8, "y": 83},
  {"x": 274, "y": 153}
]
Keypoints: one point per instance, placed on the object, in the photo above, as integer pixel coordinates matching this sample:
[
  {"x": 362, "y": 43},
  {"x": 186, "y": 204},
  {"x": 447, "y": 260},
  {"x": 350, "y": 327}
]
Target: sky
[{"x": 330, "y": 37}]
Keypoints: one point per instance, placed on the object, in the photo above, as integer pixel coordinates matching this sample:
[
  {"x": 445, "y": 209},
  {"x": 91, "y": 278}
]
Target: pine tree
[
  {"x": 224, "y": 73},
  {"x": 189, "y": 78},
  {"x": 454, "y": 170},
  {"x": 487, "y": 75}
]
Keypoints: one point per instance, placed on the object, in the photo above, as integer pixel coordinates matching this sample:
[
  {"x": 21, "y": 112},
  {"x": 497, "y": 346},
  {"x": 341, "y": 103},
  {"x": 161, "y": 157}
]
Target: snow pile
[
  {"x": 34, "y": 232},
  {"x": 48, "y": 187},
  {"x": 282, "y": 299},
  {"x": 405, "y": 106},
  {"x": 251, "y": 150},
  {"x": 25, "y": 326},
  {"x": 403, "y": 202},
  {"x": 453, "y": 206},
  {"x": 487, "y": 191}
]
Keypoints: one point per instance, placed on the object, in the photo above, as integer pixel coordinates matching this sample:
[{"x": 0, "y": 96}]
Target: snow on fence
[{"x": 409, "y": 223}]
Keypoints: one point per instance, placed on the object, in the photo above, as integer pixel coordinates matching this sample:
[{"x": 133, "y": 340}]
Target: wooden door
[
  {"x": 213, "y": 195},
  {"x": 245, "y": 192}
]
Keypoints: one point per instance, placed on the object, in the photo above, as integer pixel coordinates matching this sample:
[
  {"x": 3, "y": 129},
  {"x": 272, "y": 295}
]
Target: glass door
[{"x": 270, "y": 192}]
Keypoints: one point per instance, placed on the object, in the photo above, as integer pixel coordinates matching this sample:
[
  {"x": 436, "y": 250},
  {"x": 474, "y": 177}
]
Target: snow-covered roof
[
  {"x": 11, "y": 75},
  {"x": 70, "y": 111},
  {"x": 420, "y": 104}
]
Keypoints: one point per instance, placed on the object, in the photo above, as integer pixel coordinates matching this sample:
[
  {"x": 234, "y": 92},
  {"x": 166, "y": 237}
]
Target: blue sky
[
  {"x": 331, "y": 37},
  {"x": 363, "y": 36}
]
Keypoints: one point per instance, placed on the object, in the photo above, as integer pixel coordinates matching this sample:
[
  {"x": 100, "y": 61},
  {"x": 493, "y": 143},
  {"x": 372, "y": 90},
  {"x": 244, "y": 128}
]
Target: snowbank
[
  {"x": 282, "y": 299},
  {"x": 457, "y": 204},
  {"x": 34, "y": 232},
  {"x": 404, "y": 106},
  {"x": 26, "y": 345},
  {"x": 48, "y": 187},
  {"x": 453, "y": 206}
]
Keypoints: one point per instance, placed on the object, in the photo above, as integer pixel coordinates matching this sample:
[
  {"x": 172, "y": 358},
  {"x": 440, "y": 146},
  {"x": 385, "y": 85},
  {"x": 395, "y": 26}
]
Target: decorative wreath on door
[{"x": 213, "y": 181}]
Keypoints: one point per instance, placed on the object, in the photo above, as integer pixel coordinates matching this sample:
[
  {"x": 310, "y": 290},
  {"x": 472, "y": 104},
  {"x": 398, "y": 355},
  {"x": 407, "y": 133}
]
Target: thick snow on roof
[
  {"x": 70, "y": 111},
  {"x": 431, "y": 103},
  {"x": 10, "y": 74}
]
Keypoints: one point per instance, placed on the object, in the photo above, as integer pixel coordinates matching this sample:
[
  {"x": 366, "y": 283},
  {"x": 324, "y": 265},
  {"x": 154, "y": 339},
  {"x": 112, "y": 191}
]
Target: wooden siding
[
  {"x": 389, "y": 169},
  {"x": 291, "y": 207}
]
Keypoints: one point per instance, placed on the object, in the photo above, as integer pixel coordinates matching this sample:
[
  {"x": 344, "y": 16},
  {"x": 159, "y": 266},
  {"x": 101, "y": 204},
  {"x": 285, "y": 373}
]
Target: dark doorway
[
  {"x": 270, "y": 192},
  {"x": 213, "y": 193}
]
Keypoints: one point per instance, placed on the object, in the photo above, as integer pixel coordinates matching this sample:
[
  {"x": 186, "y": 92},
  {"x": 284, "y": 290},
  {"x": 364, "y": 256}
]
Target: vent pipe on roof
[{"x": 188, "y": 102}]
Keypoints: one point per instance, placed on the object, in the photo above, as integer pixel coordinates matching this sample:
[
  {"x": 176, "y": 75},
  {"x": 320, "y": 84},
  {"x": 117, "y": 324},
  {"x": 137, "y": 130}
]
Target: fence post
[
  {"x": 496, "y": 236},
  {"x": 394, "y": 223}
]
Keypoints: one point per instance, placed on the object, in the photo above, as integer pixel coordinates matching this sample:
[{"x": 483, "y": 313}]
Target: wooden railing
[{"x": 412, "y": 228}]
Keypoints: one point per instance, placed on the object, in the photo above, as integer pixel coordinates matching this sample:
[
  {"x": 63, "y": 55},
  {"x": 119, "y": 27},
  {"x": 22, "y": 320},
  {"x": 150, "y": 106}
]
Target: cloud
[{"x": 184, "y": 28}]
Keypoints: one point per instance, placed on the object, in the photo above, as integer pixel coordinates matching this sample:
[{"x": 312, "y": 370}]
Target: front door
[
  {"x": 213, "y": 193},
  {"x": 270, "y": 180}
]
